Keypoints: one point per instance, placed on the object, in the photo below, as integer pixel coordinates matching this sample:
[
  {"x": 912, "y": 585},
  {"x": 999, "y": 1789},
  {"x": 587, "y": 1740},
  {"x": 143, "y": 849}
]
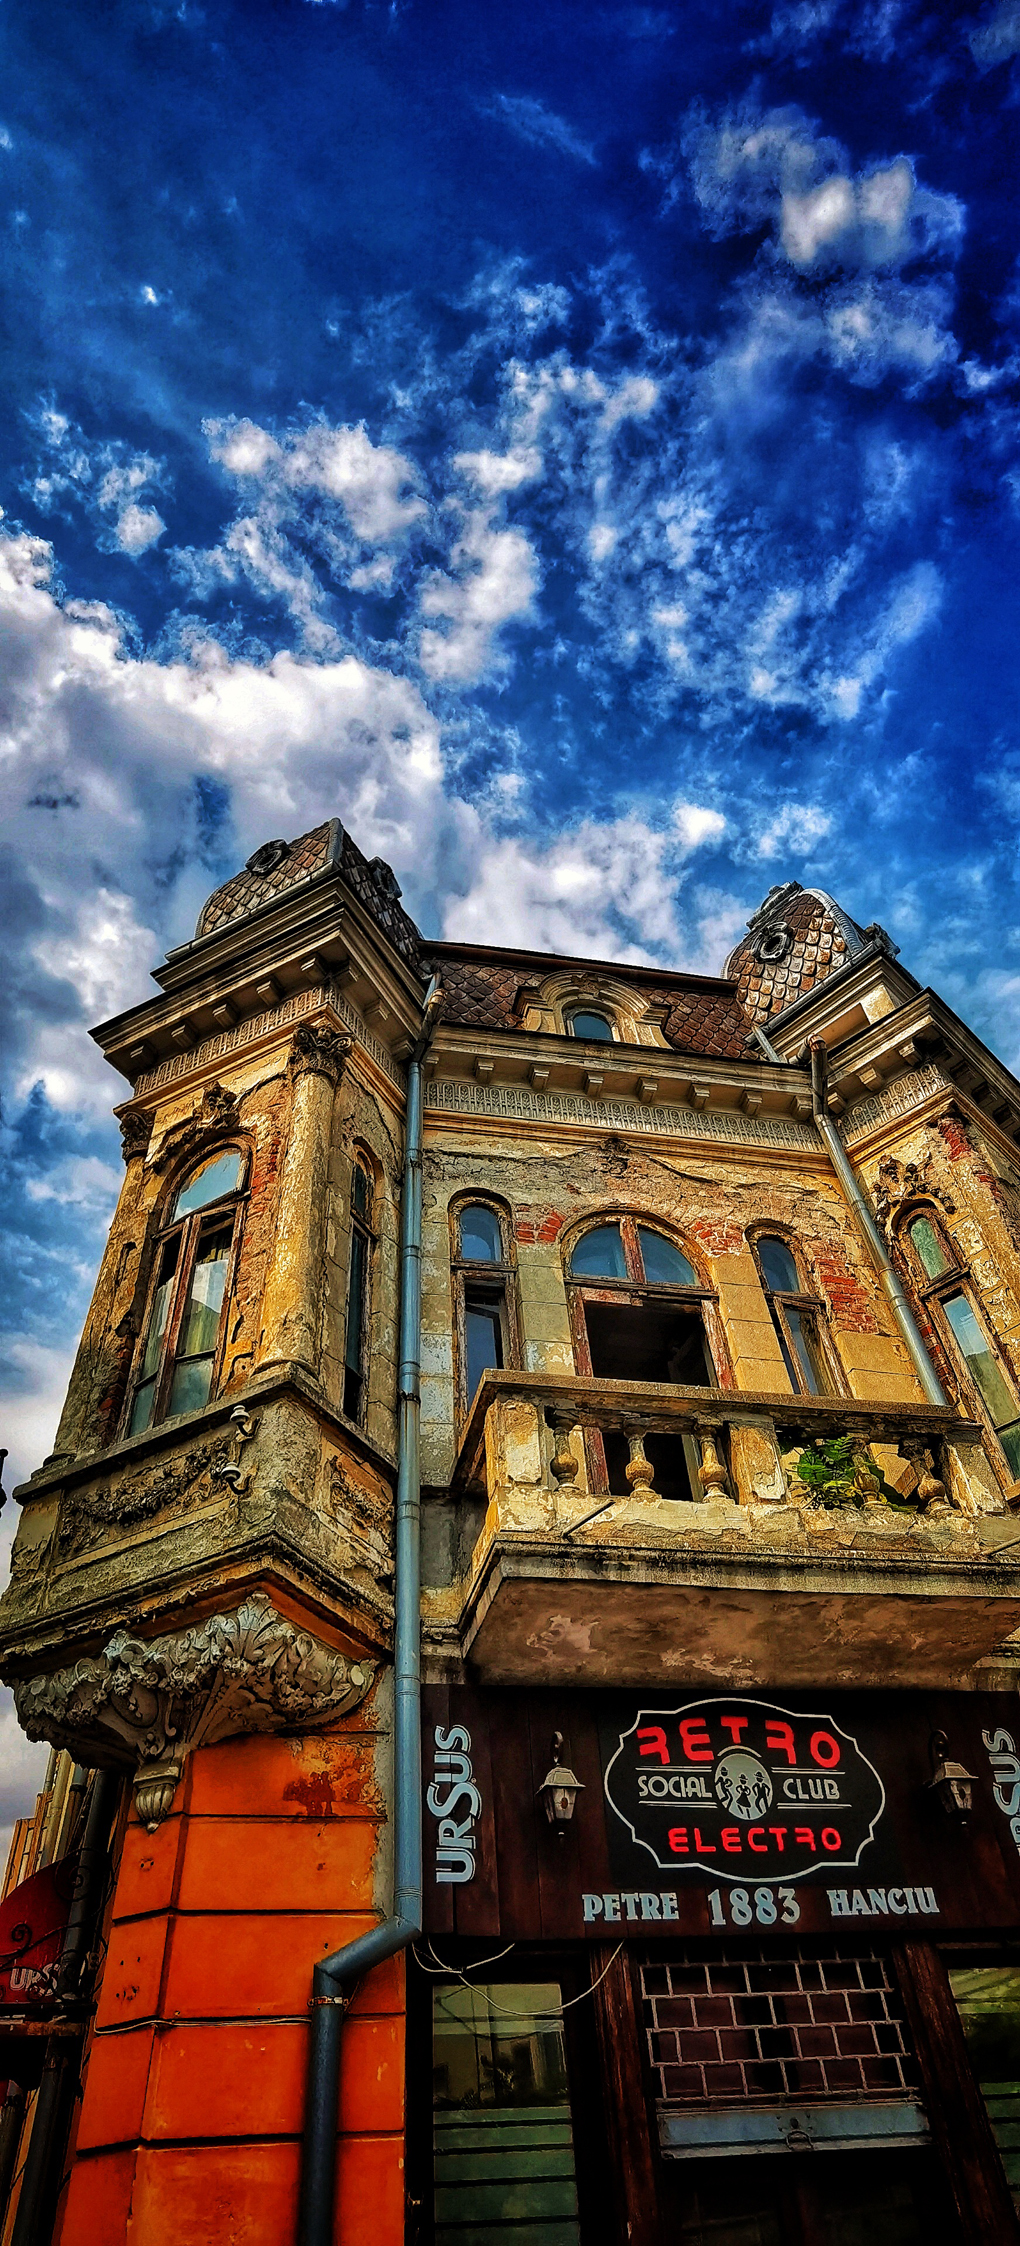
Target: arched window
[
  {"x": 358, "y": 1284},
  {"x": 179, "y": 1355},
  {"x": 581, "y": 1022},
  {"x": 641, "y": 1312},
  {"x": 484, "y": 1304},
  {"x": 796, "y": 1315},
  {"x": 943, "y": 1282}
]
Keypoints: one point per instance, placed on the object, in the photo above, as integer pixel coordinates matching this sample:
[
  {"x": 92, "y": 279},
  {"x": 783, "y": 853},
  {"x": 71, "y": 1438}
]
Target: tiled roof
[
  {"x": 246, "y": 891},
  {"x": 818, "y": 947},
  {"x": 706, "y": 1020},
  {"x": 327, "y": 846}
]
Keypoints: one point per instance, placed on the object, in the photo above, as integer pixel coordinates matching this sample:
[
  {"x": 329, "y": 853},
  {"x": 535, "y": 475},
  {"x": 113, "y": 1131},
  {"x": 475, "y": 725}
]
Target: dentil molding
[{"x": 145, "y": 1704}]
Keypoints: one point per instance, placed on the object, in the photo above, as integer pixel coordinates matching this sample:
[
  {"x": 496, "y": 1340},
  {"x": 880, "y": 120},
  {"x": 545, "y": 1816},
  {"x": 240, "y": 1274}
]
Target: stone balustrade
[{"x": 525, "y": 1443}]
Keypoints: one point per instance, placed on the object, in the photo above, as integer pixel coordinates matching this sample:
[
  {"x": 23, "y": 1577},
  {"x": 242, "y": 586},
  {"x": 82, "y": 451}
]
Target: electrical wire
[{"x": 498, "y": 2011}]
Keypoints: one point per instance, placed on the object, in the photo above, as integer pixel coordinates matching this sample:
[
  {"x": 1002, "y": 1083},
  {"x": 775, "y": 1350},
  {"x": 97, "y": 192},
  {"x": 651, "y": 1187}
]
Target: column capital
[{"x": 317, "y": 1050}]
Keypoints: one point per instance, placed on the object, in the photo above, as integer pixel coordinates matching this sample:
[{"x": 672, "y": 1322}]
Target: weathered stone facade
[{"x": 227, "y": 1570}]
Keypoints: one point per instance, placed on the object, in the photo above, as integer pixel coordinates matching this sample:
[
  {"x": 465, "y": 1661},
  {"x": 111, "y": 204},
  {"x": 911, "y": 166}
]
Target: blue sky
[{"x": 578, "y": 446}]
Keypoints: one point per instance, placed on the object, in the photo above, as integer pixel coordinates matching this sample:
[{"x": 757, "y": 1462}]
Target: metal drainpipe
[
  {"x": 43, "y": 2175},
  {"x": 333, "y": 1978},
  {"x": 847, "y": 1176}
]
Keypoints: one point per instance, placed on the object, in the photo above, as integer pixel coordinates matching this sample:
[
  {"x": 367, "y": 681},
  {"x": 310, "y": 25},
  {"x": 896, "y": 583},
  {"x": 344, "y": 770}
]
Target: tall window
[
  {"x": 582, "y": 1023},
  {"x": 180, "y": 1352},
  {"x": 484, "y": 1309},
  {"x": 639, "y": 1311},
  {"x": 356, "y": 1339},
  {"x": 504, "y": 2144},
  {"x": 943, "y": 1282},
  {"x": 796, "y": 1316}
]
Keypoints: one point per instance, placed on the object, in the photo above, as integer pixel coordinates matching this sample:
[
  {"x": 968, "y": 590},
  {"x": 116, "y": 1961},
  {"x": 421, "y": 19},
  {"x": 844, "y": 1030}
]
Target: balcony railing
[{"x": 526, "y": 1433}]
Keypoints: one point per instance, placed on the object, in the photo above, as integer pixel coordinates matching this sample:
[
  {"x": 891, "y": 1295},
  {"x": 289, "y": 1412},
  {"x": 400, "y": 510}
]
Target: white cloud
[
  {"x": 696, "y": 824},
  {"x": 605, "y": 890},
  {"x": 80, "y": 1181},
  {"x": 998, "y": 37},
  {"x": 494, "y": 580},
  {"x": 533, "y": 122},
  {"x": 107, "y": 478},
  {"x": 796, "y": 827},
  {"x": 495, "y": 472},
  {"x": 760, "y": 167},
  {"x": 325, "y": 487},
  {"x": 116, "y": 740}
]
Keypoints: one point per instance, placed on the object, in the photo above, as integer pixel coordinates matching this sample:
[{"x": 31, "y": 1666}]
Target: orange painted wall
[{"x": 190, "y": 2123}]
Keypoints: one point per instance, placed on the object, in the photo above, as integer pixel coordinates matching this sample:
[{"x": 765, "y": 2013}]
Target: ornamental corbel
[
  {"x": 144, "y": 1705},
  {"x": 317, "y": 1050}
]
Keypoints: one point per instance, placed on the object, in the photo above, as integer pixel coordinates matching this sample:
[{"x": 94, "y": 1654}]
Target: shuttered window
[{"x": 504, "y": 2152}]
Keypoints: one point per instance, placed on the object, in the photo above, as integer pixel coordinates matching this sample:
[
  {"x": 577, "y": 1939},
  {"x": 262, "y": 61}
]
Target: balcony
[{"x": 748, "y": 1574}]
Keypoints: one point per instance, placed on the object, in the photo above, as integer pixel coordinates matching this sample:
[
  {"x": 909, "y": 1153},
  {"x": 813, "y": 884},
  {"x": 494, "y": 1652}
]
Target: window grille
[{"x": 734, "y": 2027}]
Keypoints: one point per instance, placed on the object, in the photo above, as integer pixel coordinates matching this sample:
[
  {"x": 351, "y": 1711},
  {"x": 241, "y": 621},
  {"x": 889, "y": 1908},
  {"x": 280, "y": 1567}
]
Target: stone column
[
  {"x": 101, "y": 1351},
  {"x": 290, "y": 1309}
]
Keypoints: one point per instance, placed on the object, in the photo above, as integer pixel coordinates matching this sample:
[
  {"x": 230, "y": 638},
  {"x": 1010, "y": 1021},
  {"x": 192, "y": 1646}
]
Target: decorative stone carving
[
  {"x": 135, "y": 1133},
  {"x": 318, "y": 1051},
  {"x": 216, "y": 1115},
  {"x": 162, "y": 1483},
  {"x": 146, "y": 1704},
  {"x": 265, "y": 860},
  {"x": 906, "y": 1181}
]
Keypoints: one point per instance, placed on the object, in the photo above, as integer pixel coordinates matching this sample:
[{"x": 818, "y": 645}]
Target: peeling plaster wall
[{"x": 711, "y": 1202}]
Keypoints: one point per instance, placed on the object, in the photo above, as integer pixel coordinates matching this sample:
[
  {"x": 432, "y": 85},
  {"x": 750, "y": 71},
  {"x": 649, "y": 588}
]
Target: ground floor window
[
  {"x": 505, "y": 2172},
  {"x": 988, "y": 1999}
]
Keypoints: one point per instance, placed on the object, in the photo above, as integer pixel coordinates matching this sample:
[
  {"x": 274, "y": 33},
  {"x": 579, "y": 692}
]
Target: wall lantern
[
  {"x": 559, "y": 1788},
  {"x": 951, "y": 1784}
]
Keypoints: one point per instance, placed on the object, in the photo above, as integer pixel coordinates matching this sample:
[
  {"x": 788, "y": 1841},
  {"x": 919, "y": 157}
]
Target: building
[{"x": 696, "y": 1915}]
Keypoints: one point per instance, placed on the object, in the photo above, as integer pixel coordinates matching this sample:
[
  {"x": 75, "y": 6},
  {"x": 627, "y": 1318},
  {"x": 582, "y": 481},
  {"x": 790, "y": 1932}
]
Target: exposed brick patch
[
  {"x": 542, "y": 1226},
  {"x": 718, "y": 1237},
  {"x": 851, "y": 1305},
  {"x": 953, "y": 1130}
]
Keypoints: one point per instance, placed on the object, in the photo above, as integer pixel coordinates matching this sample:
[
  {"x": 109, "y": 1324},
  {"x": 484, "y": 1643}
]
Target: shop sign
[
  {"x": 32, "y": 1922},
  {"x": 743, "y": 1789},
  {"x": 722, "y": 1812}
]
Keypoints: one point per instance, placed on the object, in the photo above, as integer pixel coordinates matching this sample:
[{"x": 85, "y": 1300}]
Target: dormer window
[
  {"x": 181, "y": 1352},
  {"x": 582, "y": 1023}
]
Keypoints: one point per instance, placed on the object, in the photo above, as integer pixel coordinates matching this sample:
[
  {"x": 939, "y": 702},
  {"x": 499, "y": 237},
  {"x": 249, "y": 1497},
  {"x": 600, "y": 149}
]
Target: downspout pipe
[
  {"x": 850, "y": 1183},
  {"x": 334, "y": 1977}
]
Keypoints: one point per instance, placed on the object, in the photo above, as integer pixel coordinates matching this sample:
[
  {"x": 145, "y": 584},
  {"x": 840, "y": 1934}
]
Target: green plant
[{"x": 840, "y": 1472}]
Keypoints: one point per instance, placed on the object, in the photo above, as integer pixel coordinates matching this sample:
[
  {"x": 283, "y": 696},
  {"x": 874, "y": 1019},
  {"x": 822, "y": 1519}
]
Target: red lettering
[
  {"x": 804, "y": 1837},
  {"x": 702, "y": 1846},
  {"x": 734, "y": 1725},
  {"x": 656, "y": 1738},
  {"x": 678, "y": 1840},
  {"x": 825, "y": 1749},
  {"x": 778, "y": 1833},
  {"x": 779, "y": 1736},
  {"x": 730, "y": 1838},
  {"x": 761, "y": 1847},
  {"x": 830, "y": 1839},
  {"x": 694, "y": 1740}
]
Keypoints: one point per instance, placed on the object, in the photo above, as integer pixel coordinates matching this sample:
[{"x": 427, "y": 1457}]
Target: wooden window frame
[
  {"x": 499, "y": 1279},
  {"x": 780, "y": 1299},
  {"x": 612, "y": 2124},
  {"x": 190, "y": 1229},
  {"x": 957, "y": 1279},
  {"x": 363, "y": 1228},
  {"x": 578, "y": 1006},
  {"x": 634, "y": 1291}
]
